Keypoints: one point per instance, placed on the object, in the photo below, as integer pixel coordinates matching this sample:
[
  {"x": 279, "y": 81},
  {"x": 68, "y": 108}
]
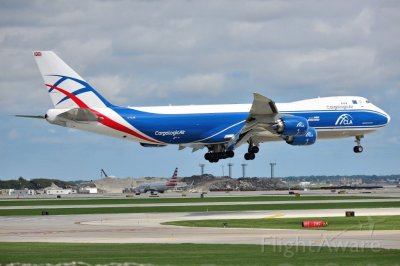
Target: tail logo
[
  {"x": 173, "y": 181},
  {"x": 85, "y": 87},
  {"x": 344, "y": 120}
]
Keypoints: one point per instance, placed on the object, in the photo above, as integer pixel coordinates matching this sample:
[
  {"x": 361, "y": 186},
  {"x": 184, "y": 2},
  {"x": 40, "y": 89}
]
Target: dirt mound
[
  {"x": 212, "y": 183},
  {"x": 114, "y": 185}
]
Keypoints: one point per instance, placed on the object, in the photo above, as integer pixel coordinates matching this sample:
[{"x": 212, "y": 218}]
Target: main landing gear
[
  {"x": 214, "y": 157},
  {"x": 358, "y": 148},
  {"x": 218, "y": 153},
  {"x": 252, "y": 150}
]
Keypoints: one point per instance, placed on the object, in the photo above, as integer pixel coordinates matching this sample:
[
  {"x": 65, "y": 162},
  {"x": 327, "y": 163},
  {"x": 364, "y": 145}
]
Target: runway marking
[
  {"x": 47, "y": 232},
  {"x": 274, "y": 216},
  {"x": 172, "y": 237}
]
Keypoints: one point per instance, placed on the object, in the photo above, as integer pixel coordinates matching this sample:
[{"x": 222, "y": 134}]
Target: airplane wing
[
  {"x": 262, "y": 117},
  {"x": 260, "y": 121}
]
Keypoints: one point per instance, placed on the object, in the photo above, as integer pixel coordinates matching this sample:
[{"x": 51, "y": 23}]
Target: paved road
[{"x": 146, "y": 228}]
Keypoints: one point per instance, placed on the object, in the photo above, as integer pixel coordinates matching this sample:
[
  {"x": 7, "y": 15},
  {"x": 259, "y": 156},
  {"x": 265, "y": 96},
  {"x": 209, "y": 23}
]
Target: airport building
[
  {"x": 88, "y": 188},
  {"x": 7, "y": 191},
  {"x": 55, "y": 190},
  {"x": 59, "y": 191},
  {"x": 18, "y": 192},
  {"x": 23, "y": 192}
]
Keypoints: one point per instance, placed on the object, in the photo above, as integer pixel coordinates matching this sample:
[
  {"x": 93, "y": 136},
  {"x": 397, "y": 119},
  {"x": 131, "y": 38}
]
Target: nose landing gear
[{"x": 358, "y": 148}]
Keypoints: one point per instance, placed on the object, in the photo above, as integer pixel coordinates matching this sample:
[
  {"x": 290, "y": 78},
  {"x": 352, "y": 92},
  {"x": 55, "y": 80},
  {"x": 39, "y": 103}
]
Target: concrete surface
[{"x": 146, "y": 228}]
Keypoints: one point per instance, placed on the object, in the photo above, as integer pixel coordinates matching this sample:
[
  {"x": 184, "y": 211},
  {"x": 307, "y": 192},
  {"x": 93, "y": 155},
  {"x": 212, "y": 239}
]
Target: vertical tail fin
[
  {"x": 173, "y": 181},
  {"x": 66, "y": 88}
]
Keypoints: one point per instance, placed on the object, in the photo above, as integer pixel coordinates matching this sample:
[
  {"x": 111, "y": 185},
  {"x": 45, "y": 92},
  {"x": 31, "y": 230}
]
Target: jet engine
[
  {"x": 291, "y": 126},
  {"x": 307, "y": 139}
]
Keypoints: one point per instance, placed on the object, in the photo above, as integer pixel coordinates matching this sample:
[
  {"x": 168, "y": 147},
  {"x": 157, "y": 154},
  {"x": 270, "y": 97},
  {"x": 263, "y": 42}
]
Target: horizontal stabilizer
[
  {"x": 79, "y": 115},
  {"x": 148, "y": 145},
  {"x": 32, "y": 116}
]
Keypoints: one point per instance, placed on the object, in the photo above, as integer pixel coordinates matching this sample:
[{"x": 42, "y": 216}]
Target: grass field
[
  {"x": 41, "y": 202},
  {"x": 334, "y": 223},
  {"x": 249, "y": 207},
  {"x": 192, "y": 254}
]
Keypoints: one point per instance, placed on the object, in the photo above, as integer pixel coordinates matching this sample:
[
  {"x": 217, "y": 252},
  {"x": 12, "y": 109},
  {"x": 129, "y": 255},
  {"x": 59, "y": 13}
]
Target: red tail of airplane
[{"x": 173, "y": 181}]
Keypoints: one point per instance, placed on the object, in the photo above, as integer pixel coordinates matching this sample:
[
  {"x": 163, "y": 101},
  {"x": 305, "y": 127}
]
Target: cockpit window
[
  {"x": 354, "y": 102},
  {"x": 367, "y": 101}
]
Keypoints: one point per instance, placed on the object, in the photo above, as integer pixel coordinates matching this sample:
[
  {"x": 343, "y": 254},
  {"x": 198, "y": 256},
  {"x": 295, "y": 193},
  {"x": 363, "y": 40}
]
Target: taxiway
[{"x": 147, "y": 228}]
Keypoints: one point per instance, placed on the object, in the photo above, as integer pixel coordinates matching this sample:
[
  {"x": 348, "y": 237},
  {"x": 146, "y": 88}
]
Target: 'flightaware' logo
[{"x": 344, "y": 120}]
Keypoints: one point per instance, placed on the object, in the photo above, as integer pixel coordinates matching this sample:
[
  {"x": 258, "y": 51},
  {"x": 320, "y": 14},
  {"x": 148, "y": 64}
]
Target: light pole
[
  {"x": 230, "y": 169},
  {"x": 272, "y": 169},
  {"x": 202, "y": 168},
  {"x": 244, "y": 169}
]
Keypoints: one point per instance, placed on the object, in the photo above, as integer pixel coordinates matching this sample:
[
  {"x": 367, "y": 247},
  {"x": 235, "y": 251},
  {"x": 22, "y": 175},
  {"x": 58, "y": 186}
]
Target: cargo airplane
[{"x": 218, "y": 128}]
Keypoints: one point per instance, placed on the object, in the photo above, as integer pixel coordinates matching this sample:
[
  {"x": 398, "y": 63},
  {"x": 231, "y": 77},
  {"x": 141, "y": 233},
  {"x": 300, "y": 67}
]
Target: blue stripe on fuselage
[
  {"x": 213, "y": 127},
  {"x": 185, "y": 128}
]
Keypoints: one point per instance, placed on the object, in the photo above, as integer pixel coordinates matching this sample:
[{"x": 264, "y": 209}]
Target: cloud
[
  {"x": 201, "y": 52},
  {"x": 208, "y": 84},
  {"x": 360, "y": 25},
  {"x": 153, "y": 48},
  {"x": 13, "y": 134},
  {"x": 111, "y": 87}
]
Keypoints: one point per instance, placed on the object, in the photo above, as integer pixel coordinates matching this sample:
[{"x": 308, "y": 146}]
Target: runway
[
  {"x": 146, "y": 228},
  {"x": 197, "y": 204}
]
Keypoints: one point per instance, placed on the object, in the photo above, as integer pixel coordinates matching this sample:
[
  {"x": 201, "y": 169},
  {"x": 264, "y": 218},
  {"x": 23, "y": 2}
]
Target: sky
[{"x": 148, "y": 53}]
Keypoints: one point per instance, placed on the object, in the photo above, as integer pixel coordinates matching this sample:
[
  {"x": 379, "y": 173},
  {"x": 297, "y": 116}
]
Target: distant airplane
[
  {"x": 160, "y": 187},
  {"x": 219, "y": 128}
]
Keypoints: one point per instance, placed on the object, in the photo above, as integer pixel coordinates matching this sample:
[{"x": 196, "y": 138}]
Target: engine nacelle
[
  {"x": 292, "y": 126},
  {"x": 308, "y": 139}
]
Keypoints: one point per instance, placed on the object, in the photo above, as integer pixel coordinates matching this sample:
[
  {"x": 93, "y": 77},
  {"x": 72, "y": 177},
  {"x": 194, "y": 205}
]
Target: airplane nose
[{"x": 388, "y": 118}]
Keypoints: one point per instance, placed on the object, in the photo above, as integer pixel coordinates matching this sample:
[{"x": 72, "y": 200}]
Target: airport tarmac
[
  {"x": 197, "y": 204},
  {"x": 147, "y": 228},
  {"x": 380, "y": 192}
]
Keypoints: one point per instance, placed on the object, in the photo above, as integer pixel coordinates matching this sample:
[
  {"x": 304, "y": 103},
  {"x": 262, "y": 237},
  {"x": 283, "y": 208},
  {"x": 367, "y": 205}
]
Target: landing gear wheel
[
  {"x": 230, "y": 154},
  {"x": 214, "y": 156},
  {"x": 252, "y": 156},
  {"x": 358, "y": 148},
  {"x": 255, "y": 149},
  {"x": 249, "y": 156}
]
